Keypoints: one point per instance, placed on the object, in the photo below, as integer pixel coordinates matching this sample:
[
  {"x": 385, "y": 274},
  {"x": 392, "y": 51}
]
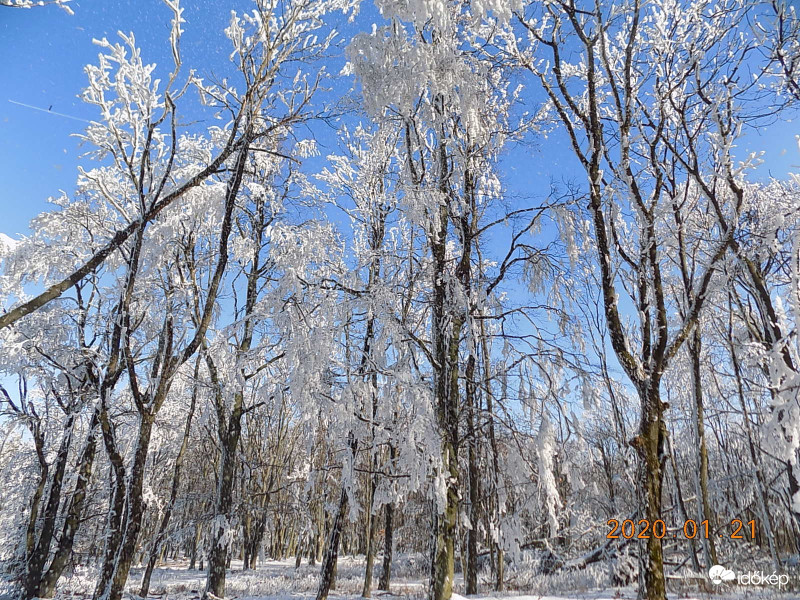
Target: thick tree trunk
[
  {"x": 195, "y": 544},
  {"x": 257, "y": 538},
  {"x": 116, "y": 513},
  {"x": 443, "y": 571},
  {"x": 33, "y": 517},
  {"x": 650, "y": 446},
  {"x": 500, "y": 568},
  {"x": 496, "y": 544},
  {"x": 446, "y": 386},
  {"x": 247, "y": 533}
]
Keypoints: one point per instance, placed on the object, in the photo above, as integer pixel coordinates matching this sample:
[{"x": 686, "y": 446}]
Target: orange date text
[{"x": 644, "y": 529}]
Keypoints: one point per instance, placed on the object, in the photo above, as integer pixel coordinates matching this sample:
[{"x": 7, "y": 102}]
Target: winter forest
[{"x": 413, "y": 298}]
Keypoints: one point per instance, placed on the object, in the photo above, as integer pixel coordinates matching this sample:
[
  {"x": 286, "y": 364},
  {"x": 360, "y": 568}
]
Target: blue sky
[{"x": 45, "y": 50}]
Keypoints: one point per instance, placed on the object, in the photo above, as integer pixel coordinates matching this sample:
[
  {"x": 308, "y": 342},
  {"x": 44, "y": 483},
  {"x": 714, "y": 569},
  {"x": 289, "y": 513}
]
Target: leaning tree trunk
[
  {"x": 134, "y": 514},
  {"x": 116, "y": 511},
  {"x": 36, "y": 560},
  {"x": 63, "y": 553},
  {"x": 328, "y": 571}
]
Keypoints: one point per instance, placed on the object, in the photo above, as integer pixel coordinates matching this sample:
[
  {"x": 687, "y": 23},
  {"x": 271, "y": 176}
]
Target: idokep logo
[{"x": 720, "y": 574}]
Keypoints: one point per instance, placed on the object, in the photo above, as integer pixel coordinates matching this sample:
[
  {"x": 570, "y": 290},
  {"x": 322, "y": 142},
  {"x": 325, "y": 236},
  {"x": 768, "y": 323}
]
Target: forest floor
[{"x": 279, "y": 580}]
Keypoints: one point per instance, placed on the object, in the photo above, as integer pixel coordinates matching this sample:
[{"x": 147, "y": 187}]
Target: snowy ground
[{"x": 278, "y": 580}]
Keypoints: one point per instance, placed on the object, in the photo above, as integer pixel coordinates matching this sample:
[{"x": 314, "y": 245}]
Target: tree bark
[
  {"x": 388, "y": 534},
  {"x": 709, "y": 547},
  {"x": 327, "y": 573},
  {"x": 650, "y": 445},
  {"x": 116, "y": 509},
  {"x": 72, "y": 521},
  {"x": 36, "y": 559},
  {"x": 371, "y": 529},
  {"x": 218, "y": 551},
  {"x": 135, "y": 512},
  {"x": 471, "y": 573}
]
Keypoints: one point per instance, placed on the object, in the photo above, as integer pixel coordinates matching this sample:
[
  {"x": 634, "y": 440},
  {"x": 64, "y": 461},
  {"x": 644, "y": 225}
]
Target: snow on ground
[{"x": 278, "y": 580}]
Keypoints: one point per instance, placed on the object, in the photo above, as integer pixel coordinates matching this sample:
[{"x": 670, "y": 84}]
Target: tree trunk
[
  {"x": 371, "y": 526},
  {"x": 327, "y": 574},
  {"x": 709, "y": 547},
  {"x": 650, "y": 446},
  {"x": 195, "y": 544},
  {"x": 47, "y": 585},
  {"x": 36, "y": 560},
  {"x": 114, "y": 532},
  {"x": 443, "y": 571},
  {"x": 298, "y": 560},
  {"x": 494, "y": 499},
  {"x": 471, "y": 572},
  {"x": 388, "y": 534},
  {"x": 682, "y": 505},
  {"x": 258, "y": 537},
  {"x": 173, "y": 495},
  {"x": 134, "y": 513},
  {"x": 218, "y": 552},
  {"x": 116, "y": 510},
  {"x": 766, "y": 521}
]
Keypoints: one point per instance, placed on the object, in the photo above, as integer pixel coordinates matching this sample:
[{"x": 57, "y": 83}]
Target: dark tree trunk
[
  {"x": 218, "y": 551},
  {"x": 386, "y": 575},
  {"x": 650, "y": 444},
  {"x": 36, "y": 560},
  {"x": 72, "y": 522},
  {"x": 114, "y": 532},
  {"x": 299, "y": 556},
  {"x": 328, "y": 572},
  {"x": 193, "y": 548},
  {"x": 134, "y": 513},
  {"x": 372, "y": 527},
  {"x": 116, "y": 511},
  {"x": 257, "y": 538},
  {"x": 471, "y": 572}
]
